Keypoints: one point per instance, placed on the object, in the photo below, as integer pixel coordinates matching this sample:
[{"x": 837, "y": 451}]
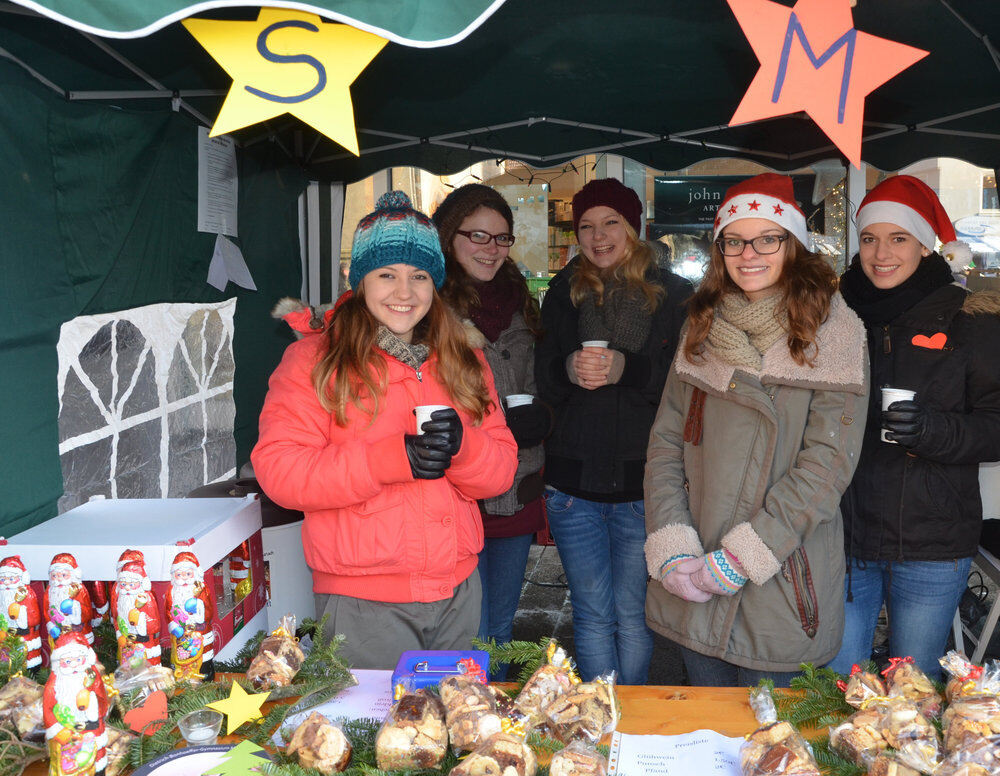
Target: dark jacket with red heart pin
[{"x": 923, "y": 503}]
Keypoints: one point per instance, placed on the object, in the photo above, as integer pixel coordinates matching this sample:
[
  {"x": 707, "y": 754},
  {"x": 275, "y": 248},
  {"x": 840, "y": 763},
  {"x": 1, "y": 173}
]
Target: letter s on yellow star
[{"x": 288, "y": 62}]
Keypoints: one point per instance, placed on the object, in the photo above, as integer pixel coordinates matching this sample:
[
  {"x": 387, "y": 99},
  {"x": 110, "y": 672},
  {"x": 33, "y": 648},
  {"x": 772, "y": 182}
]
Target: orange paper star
[{"x": 812, "y": 59}]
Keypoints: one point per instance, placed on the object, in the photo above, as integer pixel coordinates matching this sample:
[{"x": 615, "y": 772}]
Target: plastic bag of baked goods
[
  {"x": 502, "y": 754},
  {"x": 775, "y": 748},
  {"x": 886, "y": 764},
  {"x": 21, "y": 704},
  {"x": 860, "y": 686},
  {"x": 414, "y": 735},
  {"x": 905, "y": 729},
  {"x": 980, "y": 757},
  {"x": 279, "y": 657},
  {"x": 137, "y": 680},
  {"x": 859, "y": 737},
  {"x": 578, "y": 759},
  {"x": 904, "y": 678},
  {"x": 119, "y": 743},
  {"x": 962, "y": 674},
  {"x": 555, "y": 677},
  {"x": 975, "y": 712},
  {"x": 321, "y": 744},
  {"x": 586, "y": 712},
  {"x": 470, "y": 711}
]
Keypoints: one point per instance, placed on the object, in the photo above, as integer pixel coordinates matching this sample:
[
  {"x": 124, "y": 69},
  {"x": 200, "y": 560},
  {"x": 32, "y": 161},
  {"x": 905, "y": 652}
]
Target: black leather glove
[
  {"x": 428, "y": 455},
  {"x": 529, "y": 423},
  {"x": 905, "y": 421},
  {"x": 446, "y": 423}
]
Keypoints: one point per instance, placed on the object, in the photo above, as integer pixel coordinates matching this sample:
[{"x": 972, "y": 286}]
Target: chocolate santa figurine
[
  {"x": 190, "y": 613},
  {"x": 66, "y": 604},
  {"x": 136, "y": 616},
  {"x": 19, "y": 612},
  {"x": 74, "y": 705},
  {"x": 128, "y": 556},
  {"x": 98, "y": 591}
]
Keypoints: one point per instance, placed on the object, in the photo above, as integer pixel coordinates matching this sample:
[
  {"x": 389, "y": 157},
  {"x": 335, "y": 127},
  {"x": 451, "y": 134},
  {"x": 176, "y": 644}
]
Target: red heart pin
[
  {"x": 934, "y": 342},
  {"x": 150, "y": 716}
]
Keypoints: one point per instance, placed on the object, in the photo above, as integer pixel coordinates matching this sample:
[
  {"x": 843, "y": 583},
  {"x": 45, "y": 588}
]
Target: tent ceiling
[{"x": 654, "y": 80}]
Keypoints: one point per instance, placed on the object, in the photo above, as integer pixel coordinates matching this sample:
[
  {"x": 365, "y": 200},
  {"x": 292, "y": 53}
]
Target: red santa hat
[
  {"x": 185, "y": 560},
  {"x": 130, "y": 555},
  {"x": 133, "y": 571},
  {"x": 64, "y": 561},
  {"x": 14, "y": 564},
  {"x": 769, "y": 196},
  {"x": 73, "y": 644},
  {"x": 910, "y": 203}
]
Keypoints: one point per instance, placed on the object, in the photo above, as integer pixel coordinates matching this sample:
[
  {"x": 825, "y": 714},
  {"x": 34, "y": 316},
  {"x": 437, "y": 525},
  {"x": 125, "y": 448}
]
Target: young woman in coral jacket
[{"x": 392, "y": 528}]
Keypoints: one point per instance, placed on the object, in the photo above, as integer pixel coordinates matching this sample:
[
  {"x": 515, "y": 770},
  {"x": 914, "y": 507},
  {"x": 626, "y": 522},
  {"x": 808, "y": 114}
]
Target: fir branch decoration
[
  {"x": 15, "y": 754},
  {"x": 106, "y": 646},
  {"x": 527, "y": 654},
  {"x": 16, "y": 656},
  {"x": 241, "y": 661},
  {"x": 832, "y": 763},
  {"x": 820, "y": 704}
]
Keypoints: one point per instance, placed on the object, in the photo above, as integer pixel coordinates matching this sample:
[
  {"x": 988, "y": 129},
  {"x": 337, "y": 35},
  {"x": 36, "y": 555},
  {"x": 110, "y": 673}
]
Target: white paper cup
[
  {"x": 890, "y": 395},
  {"x": 423, "y": 413},
  {"x": 594, "y": 344},
  {"x": 519, "y": 399}
]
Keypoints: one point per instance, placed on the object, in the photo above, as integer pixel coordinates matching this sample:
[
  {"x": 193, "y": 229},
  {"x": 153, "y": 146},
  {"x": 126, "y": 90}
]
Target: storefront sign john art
[
  {"x": 288, "y": 62},
  {"x": 812, "y": 59}
]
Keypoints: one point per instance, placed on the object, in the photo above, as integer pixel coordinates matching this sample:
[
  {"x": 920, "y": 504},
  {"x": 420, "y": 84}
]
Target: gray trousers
[{"x": 376, "y": 633}]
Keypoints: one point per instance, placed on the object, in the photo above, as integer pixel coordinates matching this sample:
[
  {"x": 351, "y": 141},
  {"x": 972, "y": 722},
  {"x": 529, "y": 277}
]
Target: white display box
[{"x": 97, "y": 532}]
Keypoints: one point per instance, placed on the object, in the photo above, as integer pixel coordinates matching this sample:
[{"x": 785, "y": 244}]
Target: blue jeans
[
  {"x": 601, "y": 549},
  {"x": 501, "y": 568},
  {"x": 921, "y": 598},
  {"x": 704, "y": 671}
]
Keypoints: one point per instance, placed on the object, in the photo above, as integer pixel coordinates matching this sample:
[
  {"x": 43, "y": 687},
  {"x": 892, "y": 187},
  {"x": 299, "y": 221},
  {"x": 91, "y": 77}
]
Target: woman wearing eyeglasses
[
  {"x": 756, "y": 438},
  {"x": 483, "y": 285},
  {"x": 611, "y": 321}
]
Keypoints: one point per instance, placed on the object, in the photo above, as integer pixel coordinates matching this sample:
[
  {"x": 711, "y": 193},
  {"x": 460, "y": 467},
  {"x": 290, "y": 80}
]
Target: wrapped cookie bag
[
  {"x": 861, "y": 686},
  {"x": 279, "y": 657},
  {"x": 975, "y": 711},
  {"x": 21, "y": 705},
  {"x": 470, "y": 711},
  {"x": 962, "y": 674},
  {"x": 859, "y": 737},
  {"x": 587, "y": 712},
  {"x": 980, "y": 757},
  {"x": 775, "y": 748},
  {"x": 414, "y": 735},
  {"x": 555, "y": 677},
  {"x": 904, "y": 678},
  {"x": 321, "y": 744},
  {"x": 578, "y": 759},
  {"x": 886, "y": 765},
  {"x": 502, "y": 754}
]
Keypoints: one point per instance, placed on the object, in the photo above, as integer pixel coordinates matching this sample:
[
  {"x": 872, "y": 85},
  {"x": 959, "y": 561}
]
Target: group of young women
[{"x": 712, "y": 461}]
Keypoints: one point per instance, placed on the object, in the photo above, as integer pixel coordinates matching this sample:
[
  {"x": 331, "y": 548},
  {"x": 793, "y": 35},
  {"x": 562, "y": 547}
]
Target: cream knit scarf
[{"x": 742, "y": 330}]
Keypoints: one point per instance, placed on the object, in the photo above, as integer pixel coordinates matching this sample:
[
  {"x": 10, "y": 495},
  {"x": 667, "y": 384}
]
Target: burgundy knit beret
[{"x": 613, "y": 194}]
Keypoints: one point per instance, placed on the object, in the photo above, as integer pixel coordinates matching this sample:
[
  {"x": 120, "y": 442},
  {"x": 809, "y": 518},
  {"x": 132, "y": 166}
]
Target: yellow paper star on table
[
  {"x": 239, "y": 707},
  {"x": 288, "y": 62}
]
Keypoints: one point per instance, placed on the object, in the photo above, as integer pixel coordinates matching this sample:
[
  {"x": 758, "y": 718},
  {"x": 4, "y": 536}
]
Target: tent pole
[
  {"x": 143, "y": 75},
  {"x": 4, "y": 54},
  {"x": 994, "y": 54}
]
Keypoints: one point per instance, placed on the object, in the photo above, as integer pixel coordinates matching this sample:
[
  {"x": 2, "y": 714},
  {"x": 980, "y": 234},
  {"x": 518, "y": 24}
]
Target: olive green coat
[{"x": 777, "y": 450}]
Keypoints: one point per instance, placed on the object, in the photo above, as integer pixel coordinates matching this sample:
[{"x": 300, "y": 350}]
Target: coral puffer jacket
[{"x": 371, "y": 530}]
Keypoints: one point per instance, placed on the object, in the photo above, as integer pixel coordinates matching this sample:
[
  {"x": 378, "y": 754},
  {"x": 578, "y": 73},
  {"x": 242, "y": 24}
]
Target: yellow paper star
[
  {"x": 288, "y": 62},
  {"x": 239, "y": 707}
]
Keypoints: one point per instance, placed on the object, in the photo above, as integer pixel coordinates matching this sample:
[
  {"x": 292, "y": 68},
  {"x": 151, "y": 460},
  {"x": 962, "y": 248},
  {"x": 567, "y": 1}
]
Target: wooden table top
[{"x": 659, "y": 710}]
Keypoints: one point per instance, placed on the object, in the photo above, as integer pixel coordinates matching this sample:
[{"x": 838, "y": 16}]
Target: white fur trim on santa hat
[
  {"x": 757, "y": 205},
  {"x": 896, "y": 213},
  {"x": 15, "y": 566},
  {"x": 74, "y": 648}
]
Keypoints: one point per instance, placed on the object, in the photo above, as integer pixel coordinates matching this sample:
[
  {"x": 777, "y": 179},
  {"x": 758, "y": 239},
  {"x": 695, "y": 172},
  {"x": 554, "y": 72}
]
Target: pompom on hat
[
  {"x": 15, "y": 564},
  {"x": 910, "y": 203},
  {"x": 612, "y": 193},
  {"x": 395, "y": 233},
  {"x": 769, "y": 196}
]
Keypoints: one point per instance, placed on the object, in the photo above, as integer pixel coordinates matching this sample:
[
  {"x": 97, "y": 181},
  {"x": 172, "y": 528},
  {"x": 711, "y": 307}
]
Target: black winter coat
[
  {"x": 924, "y": 504},
  {"x": 597, "y": 450}
]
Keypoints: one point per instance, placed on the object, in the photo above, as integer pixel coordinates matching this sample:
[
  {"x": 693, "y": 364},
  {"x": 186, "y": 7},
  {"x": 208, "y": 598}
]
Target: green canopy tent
[{"x": 97, "y": 150}]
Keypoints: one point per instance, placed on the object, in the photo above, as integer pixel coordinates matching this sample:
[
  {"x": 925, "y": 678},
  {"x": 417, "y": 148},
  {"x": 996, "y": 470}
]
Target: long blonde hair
[
  {"x": 353, "y": 370},
  {"x": 633, "y": 269}
]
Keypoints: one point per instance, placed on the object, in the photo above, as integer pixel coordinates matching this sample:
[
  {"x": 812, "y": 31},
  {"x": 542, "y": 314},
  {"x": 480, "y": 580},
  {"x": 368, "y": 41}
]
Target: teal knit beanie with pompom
[{"x": 395, "y": 233}]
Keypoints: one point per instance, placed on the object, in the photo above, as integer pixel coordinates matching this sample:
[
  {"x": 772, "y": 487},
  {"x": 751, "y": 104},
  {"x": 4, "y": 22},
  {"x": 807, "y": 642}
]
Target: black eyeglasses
[
  {"x": 763, "y": 245},
  {"x": 503, "y": 240}
]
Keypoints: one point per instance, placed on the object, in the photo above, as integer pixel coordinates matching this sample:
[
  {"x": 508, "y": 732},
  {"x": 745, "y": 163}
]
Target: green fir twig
[{"x": 527, "y": 654}]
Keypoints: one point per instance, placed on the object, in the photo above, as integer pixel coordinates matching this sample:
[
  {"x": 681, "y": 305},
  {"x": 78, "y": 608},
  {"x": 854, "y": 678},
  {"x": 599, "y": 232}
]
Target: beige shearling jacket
[{"x": 756, "y": 463}]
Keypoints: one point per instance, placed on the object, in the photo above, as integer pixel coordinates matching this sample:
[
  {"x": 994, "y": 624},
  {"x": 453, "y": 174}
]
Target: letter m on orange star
[{"x": 812, "y": 59}]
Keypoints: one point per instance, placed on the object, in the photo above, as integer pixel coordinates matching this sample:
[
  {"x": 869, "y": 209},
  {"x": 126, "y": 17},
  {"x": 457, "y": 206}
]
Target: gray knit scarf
[
  {"x": 411, "y": 355},
  {"x": 622, "y": 319},
  {"x": 742, "y": 330}
]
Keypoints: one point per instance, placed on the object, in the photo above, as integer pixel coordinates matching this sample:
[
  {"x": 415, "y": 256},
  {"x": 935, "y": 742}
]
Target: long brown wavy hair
[
  {"x": 633, "y": 269},
  {"x": 459, "y": 289},
  {"x": 353, "y": 370},
  {"x": 807, "y": 284}
]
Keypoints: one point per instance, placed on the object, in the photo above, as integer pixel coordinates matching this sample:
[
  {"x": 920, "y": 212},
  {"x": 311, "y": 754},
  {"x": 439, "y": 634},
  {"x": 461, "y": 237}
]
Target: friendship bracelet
[{"x": 727, "y": 577}]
